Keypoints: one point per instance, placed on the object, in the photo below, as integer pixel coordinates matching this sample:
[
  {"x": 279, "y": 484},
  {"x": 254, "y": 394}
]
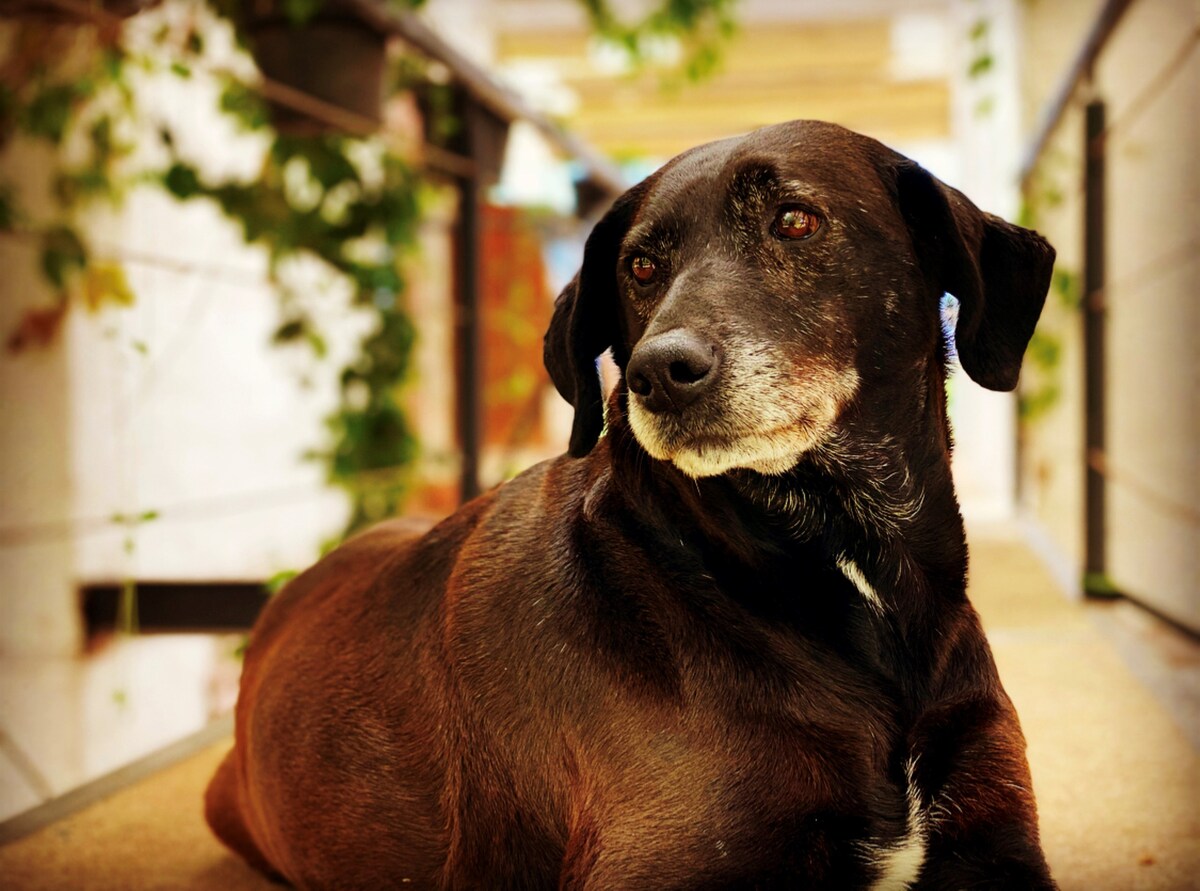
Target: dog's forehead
[
  {"x": 823, "y": 162},
  {"x": 823, "y": 159}
]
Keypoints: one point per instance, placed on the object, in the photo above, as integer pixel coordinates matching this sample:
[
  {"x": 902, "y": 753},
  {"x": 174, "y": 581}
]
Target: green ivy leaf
[
  {"x": 326, "y": 161},
  {"x": 62, "y": 254},
  {"x": 316, "y": 343},
  {"x": 275, "y": 583},
  {"x": 49, "y": 112},
  {"x": 1066, "y": 285},
  {"x": 289, "y": 331},
  {"x": 300, "y": 12},
  {"x": 244, "y": 105},
  {"x": 1037, "y": 403},
  {"x": 981, "y": 65},
  {"x": 1045, "y": 350},
  {"x": 182, "y": 181}
]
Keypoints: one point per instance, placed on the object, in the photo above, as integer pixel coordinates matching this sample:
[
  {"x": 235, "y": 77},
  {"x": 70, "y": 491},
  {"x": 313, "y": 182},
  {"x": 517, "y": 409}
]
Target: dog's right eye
[
  {"x": 642, "y": 268},
  {"x": 796, "y": 223}
]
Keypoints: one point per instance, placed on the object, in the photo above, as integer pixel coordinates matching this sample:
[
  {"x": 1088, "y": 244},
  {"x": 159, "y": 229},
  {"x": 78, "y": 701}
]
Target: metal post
[
  {"x": 467, "y": 336},
  {"x": 485, "y": 134},
  {"x": 1094, "y": 313}
]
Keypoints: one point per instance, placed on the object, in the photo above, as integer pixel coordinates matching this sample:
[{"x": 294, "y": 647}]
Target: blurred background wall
[{"x": 1142, "y": 74}]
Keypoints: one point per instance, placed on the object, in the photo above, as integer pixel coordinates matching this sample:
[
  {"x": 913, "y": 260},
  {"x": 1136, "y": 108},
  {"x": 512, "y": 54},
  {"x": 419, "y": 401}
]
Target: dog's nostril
[
  {"x": 640, "y": 384},
  {"x": 688, "y": 372}
]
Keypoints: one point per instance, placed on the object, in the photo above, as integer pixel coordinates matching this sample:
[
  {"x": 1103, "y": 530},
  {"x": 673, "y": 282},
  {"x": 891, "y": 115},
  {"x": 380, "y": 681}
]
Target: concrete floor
[{"x": 1107, "y": 696}]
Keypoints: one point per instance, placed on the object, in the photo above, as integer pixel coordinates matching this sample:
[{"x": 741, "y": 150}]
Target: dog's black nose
[{"x": 672, "y": 370}]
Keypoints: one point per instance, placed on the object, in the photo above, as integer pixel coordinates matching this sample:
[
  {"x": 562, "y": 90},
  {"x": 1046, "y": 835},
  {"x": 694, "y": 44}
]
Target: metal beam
[
  {"x": 1080, "y": 70},
  {"x": 1095, "y": 313},
  {"x": 486, "y": 90}
]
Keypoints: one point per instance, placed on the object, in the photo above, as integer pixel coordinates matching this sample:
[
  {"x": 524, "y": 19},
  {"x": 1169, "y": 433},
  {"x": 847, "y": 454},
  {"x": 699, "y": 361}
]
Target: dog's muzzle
[{"x": 670, "y": 371}]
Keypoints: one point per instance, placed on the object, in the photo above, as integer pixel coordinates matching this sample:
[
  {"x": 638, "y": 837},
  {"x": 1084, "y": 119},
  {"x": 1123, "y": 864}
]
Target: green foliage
[
  {"x": 1045, "y": 350},
  {"x": 245, "y": 105},
  {"x": 1044, "y": 193},
  {"x": 1067, "y": 288},
  {"x": 49, "y": 110},
  {"x": 275, "y": 583},
  {"x": 1100, "y": 585},
  {"x": 701, "y": 26},
  {"x": 314, "y": 198},
  {"x": 371, "y": 441},
  {"x": 1041, "y": 394},
  {"x": 981, "y": 63},
  {"x": 62, "y": 253},
  {"x": 85, "y": 110}
]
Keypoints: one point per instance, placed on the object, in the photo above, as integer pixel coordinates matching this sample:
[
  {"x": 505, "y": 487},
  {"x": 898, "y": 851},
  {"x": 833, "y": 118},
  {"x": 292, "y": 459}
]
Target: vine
[
  {"x": 350, "y": 203},
  {"x": 701, "y": 26},
  {"x": 1043, "y": 390}
]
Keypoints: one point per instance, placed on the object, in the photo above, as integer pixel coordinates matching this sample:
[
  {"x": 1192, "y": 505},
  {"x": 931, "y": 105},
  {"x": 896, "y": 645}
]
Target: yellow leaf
[{"x": 105, "y": 284}]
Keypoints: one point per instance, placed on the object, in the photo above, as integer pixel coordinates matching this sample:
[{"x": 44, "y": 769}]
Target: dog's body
[{"x": 728, "y": 644}]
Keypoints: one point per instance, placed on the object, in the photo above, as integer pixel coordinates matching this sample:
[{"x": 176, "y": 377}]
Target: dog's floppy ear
[
  {"x": 585, "y": 323},
  {"x": 998, "y": 272}
]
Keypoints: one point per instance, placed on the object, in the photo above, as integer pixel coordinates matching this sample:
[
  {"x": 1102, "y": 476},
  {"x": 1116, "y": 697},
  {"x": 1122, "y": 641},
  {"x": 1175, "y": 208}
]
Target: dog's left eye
[
  {"x": 643, "y": 269},
  {"x": 795, "y": 222}
]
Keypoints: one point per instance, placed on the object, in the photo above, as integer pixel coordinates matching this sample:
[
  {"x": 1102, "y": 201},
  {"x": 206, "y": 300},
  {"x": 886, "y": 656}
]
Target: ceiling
[{"x": 882, "y": 70}]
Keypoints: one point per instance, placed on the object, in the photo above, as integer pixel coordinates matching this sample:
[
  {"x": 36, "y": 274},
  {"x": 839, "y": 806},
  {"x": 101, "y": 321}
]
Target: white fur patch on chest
[
  {"x": 900, "y": 861},
  {"x": 855, "y": 576}
]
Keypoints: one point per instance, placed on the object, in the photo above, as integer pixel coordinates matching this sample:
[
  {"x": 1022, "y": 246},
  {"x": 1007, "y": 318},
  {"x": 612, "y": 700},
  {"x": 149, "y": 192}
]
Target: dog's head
[{"x": 753, "y": 289}]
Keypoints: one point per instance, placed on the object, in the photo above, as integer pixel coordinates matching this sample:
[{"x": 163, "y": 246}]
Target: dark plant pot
[
  {"x": 40, "y": 9},
  {"x": 335, "y": 57}
]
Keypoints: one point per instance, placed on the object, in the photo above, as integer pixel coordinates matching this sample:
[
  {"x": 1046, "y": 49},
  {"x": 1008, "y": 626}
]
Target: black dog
[{"x": 726, "y": 645}]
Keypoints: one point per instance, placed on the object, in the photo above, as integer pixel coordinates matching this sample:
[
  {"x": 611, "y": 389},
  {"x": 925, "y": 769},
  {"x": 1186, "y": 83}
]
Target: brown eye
[
  {"x": 792, "y": 222},
  {"x": 643, "y": 269}
]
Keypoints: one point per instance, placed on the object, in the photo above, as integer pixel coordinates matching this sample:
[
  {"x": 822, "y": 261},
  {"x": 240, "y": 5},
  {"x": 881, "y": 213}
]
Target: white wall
[
  {"x": 37, "y": 602},
  {"x": 1148, "y": 74},
  {"x": 179, "y": 405},
  {"x": 1153, "y": 239}
]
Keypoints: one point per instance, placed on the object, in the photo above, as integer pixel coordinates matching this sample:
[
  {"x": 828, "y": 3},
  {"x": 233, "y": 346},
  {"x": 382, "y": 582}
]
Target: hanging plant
[
  {"x": 358, "y": 216},
  {"x": 361, "y": 224},
  {"x": 320, "y": 49}
]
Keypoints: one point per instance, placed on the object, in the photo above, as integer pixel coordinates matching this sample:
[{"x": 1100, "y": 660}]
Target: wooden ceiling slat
[
  {"x": 836, "y": 71},
  {"x": 737, "y": 89},
  {"x": 668, "y": 142},
  {"x": 864, "y": 43},
  {"x": 885, "y": 103}
]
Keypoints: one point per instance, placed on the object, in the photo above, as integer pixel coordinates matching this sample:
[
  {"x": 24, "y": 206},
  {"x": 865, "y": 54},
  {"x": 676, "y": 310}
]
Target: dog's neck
[{"x": 879, "y": 505}]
